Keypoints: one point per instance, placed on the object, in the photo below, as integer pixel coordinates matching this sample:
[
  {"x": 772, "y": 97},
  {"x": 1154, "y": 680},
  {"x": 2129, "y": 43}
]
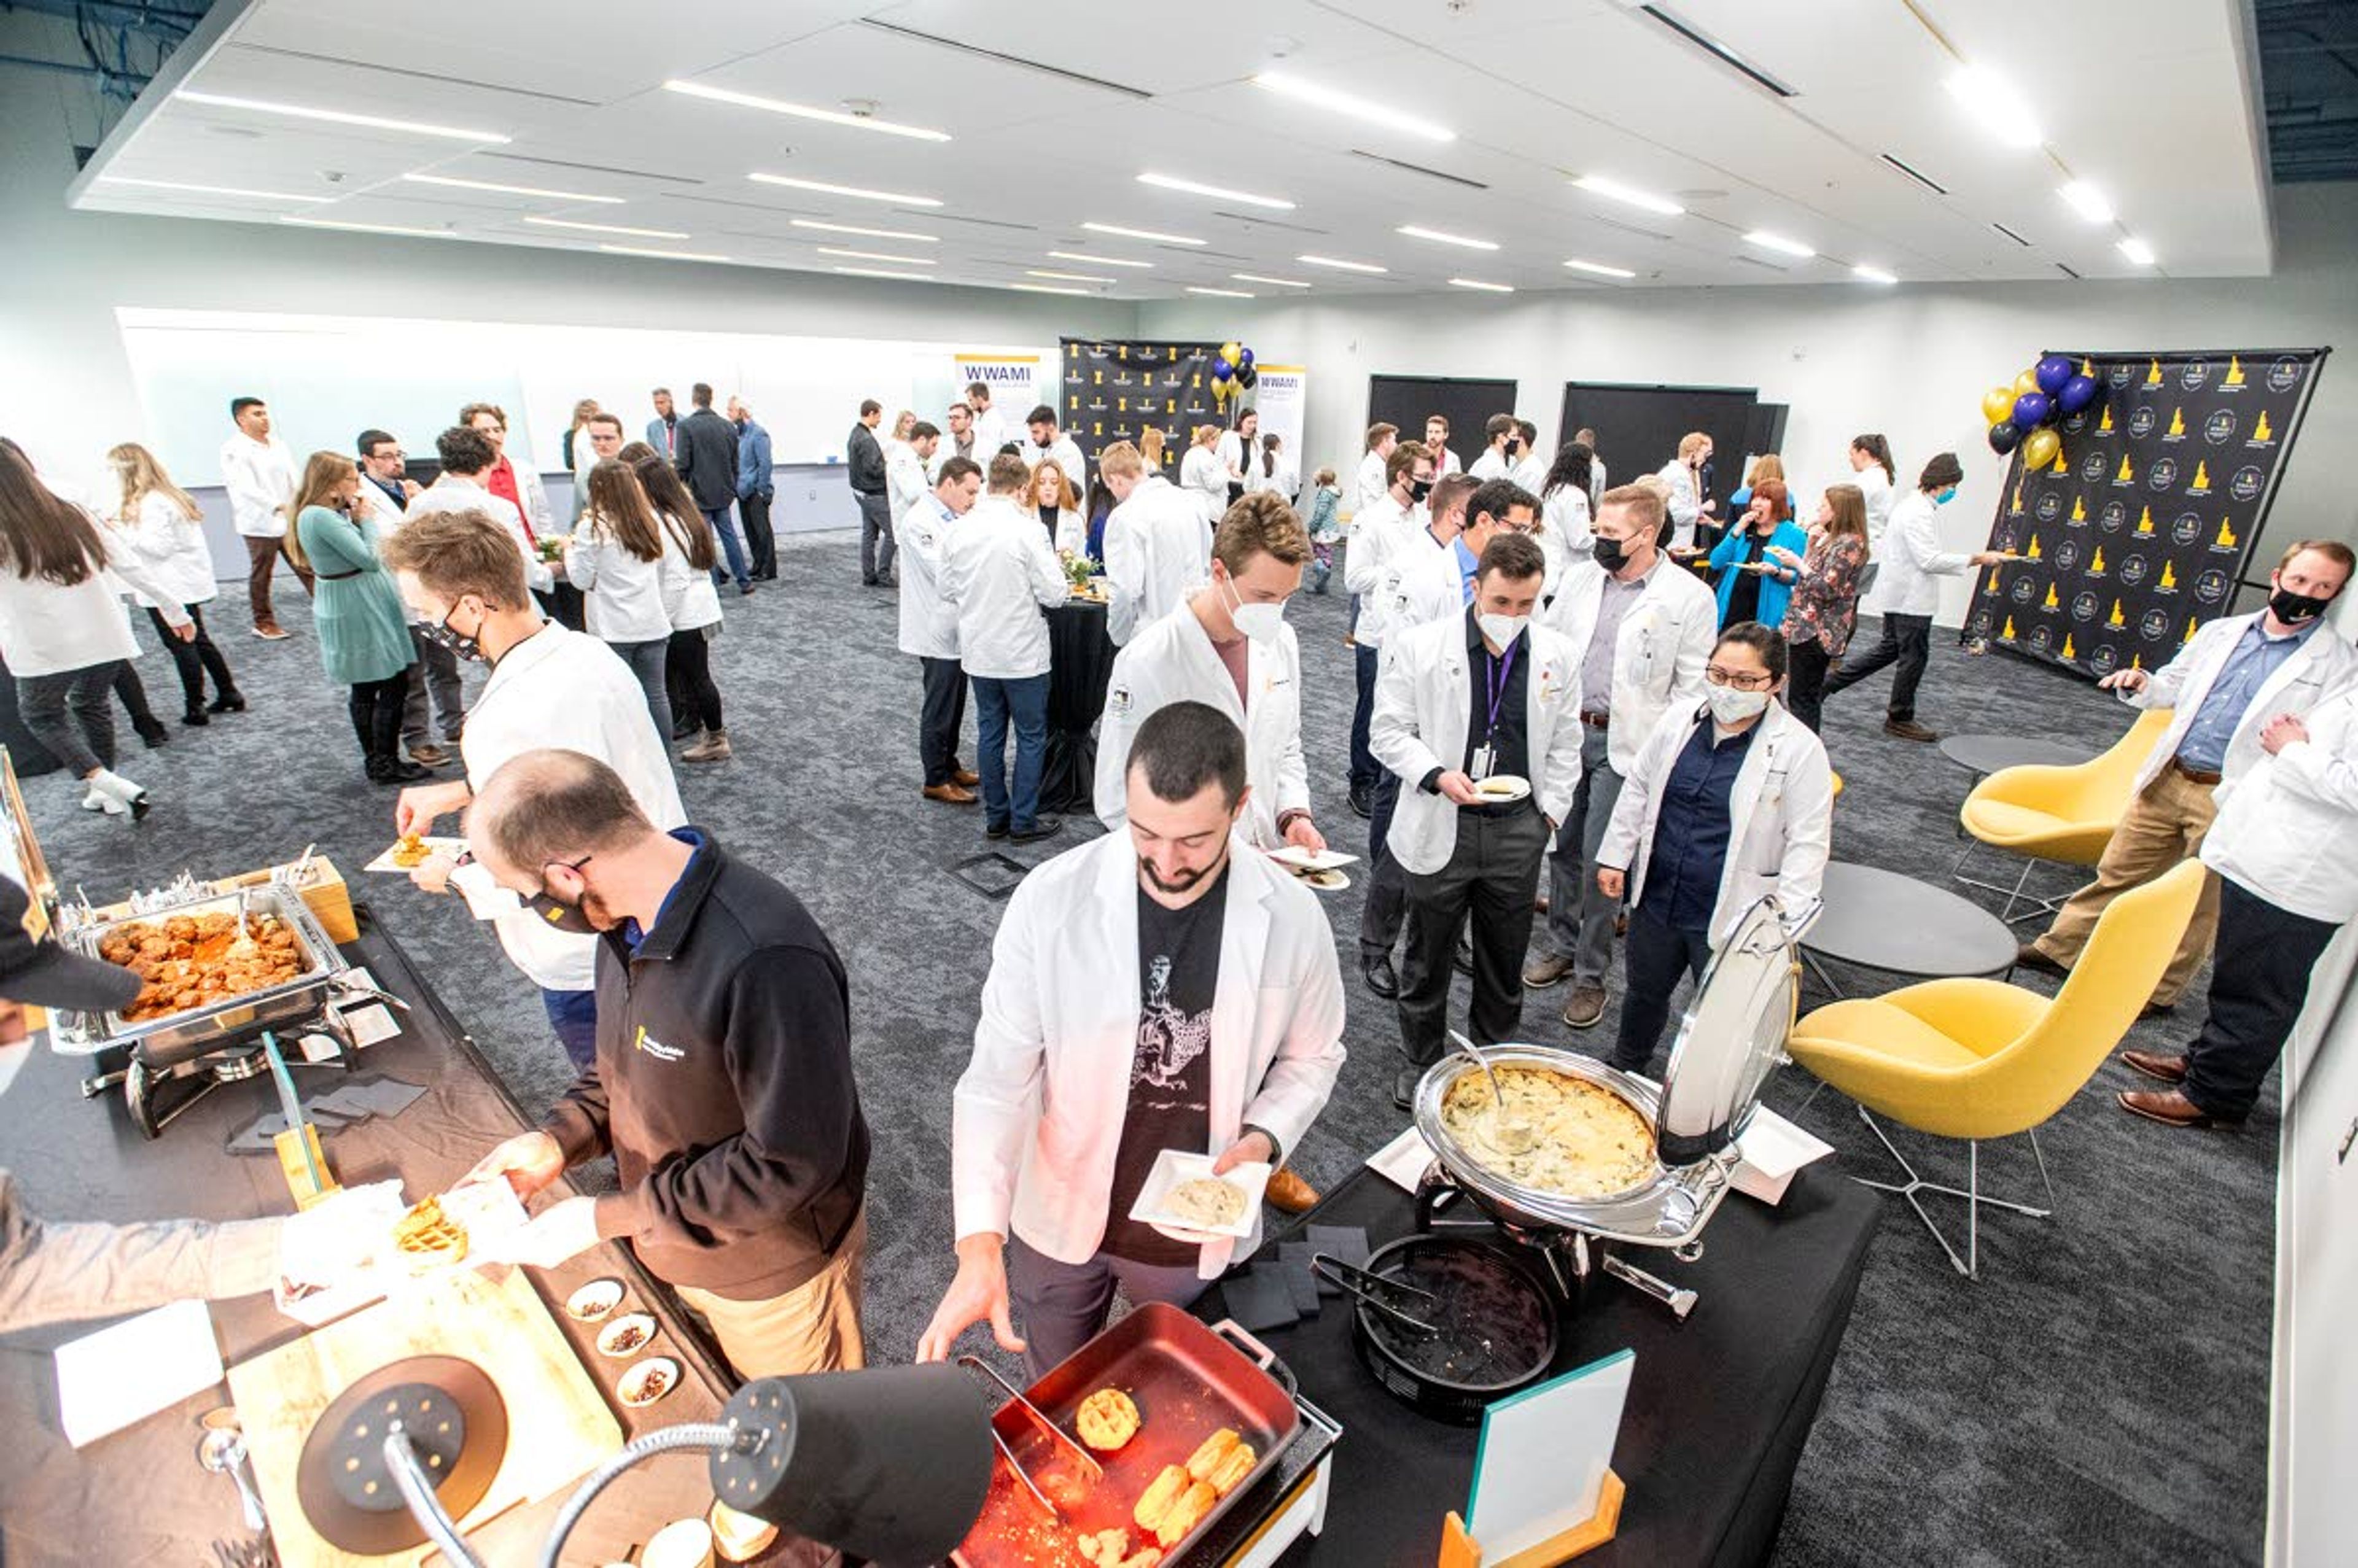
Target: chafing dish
[{"x": 1732, "y": 1038}]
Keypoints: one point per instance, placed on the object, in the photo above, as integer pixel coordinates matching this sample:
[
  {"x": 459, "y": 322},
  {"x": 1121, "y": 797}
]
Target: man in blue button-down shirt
[
  {"x": 2232, "y": 677},
  {"x": 755, "y": 485}
]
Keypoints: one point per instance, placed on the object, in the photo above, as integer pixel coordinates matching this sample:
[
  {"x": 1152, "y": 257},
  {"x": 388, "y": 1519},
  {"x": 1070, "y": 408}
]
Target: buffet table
[
  {"x": 1080, "y": 655},
  {"x": 138, "y": 1496},
  {"x": 1719, "y": 1407}
]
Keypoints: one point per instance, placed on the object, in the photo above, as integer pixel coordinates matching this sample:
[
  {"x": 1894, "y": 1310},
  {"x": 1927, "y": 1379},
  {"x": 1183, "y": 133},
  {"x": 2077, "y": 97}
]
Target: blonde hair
[
  {"x": 142, "y": 473},
  {"x": 583, "y": 410},
  {"x": 1066, "y": 500},
  {"x": 1204, "y": 434},
  {"x": 1692, "y": 442},
  {"x": 1120, "y": 461},
  {"x": 321, "y": 474},
  {"x": 1150, "y": 446},
  {"x": 903, "y": 423},
  {"x": 1765, "y": 467}
]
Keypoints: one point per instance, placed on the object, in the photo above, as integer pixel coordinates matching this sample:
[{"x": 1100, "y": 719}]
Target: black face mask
[
  {"x": 558, "y": 916},
  {"x": 1608, "y": 552},
  {"x": 440, "y": 634},
  {"x": 2296, "y": 609},
  {"x": 1418, "y": 489}
]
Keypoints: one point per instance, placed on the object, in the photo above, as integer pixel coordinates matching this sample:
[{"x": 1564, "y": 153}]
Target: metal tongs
[
  {"x": 1354, "y": 1281},
  {"x": 1057, "y": 1434}
]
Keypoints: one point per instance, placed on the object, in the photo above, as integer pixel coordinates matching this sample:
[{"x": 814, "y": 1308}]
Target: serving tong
[
  {"x": 1057, "y": 1434},
  {"x": 1363, "y": 1284}
]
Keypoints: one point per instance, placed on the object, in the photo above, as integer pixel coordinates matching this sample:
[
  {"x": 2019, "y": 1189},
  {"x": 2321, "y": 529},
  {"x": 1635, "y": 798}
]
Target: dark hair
[
  {"x": 1183, "y": 746},
  {"x": 1008, "y": 473},
  {"x": 1403, "y": 460},
  {"x": 955, "y": 468},
  {"x": 675, "y": 507},
  {"x": 1528, "y": 431},
  {"x": 42, "y": 535},
  {"x": 1879, "y": 449},
  {"x": 1243, "y": 414},
  {"x": 921, "y": 429},
  {"x": 1446, "y": 492},
  {"x": 1780, "y": 499},
  {"x": 602, "y": 417},
  {"x": 1498, "y": 424},
  {"x": 701, "y": 394},
  {"x": 660, "y": 391},
  {"x": 618, "y": 509},
  {"x": 238, "y": 406},
  {"x": 1943, "y": 471},
  {"x": 1043, "y": 415},
  {"x": 466, "y": 414},
  {"x": 976, "y": 389},
  {"x": 1497, "y": 498},
  {"x": 1766, "y": 641},
  {"x": 560, "y": 805},
  {"x": 1377, "y": 431},
  {"x": 869, "y": 406},
  {"x": 1514, "y": 557},
  {"x": 1010, "y": 450},
  {"x": 464, "y": 449},
  {"x": 369, "y": 438},
  {"x": 1261, "y": 523},
  {"x": 1574, "y": 466}
]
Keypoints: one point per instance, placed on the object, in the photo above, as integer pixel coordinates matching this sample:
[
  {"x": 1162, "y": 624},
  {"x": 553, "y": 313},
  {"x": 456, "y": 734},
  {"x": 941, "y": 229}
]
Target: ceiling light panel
[
  {"x": 1222, "y": 293},
  {"x": 858, "y": 192},
  {"x": 1049, "y": 272},
  {"x": 1043, "y": 288},
  {"x": 867, "y": 233},
  {"x": 1477, "y": 283},
  {"x": 1340, "y": 265},
  {"x": 803, "y": 111},
  {"x": 370, "y": 228},
  {"x": 1444, "y": 237},
  {"x": 1272, "y": 282},
  {"x": 1780, "y": 244},
  {"x": 662, "y": 255},
  {"x": 1628, "y": 195},
  {"x": 2086, "y": 200},
  {"x": 2137, "y": 251},
  {"x": 1351, "y": 105},
  {"x": 237, "y": 190},
  {"x": 1867, "y": 274},
  {"x": 1155, "y": 235},
  {"x": 2003, "y": 112},
  {"x": 876, "y": 256},
  {"x": 335, "y": 116},
  {"x": 1218, "y": 193},
  {"x": 1599, "y": 269},
  {"x": 455, "y": 183},
  {"x": 626, "y": 230},
  {"x": 880, "y": 272},
  {"x": 1096, "y": 261}
]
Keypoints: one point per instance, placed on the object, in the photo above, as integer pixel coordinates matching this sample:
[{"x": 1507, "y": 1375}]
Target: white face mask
[
  {"x": 1730, "y": 706},
  {"x": 1502, "y": 630},
  {"x": 1261, "y": 622}
]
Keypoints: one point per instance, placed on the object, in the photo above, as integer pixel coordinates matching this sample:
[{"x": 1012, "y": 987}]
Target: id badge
[{"x": 1486, "y": 757}]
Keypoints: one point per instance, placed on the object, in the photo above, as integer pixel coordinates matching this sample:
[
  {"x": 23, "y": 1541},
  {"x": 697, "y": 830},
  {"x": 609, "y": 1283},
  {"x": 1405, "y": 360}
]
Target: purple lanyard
[{"x": 1501, "y": 667}]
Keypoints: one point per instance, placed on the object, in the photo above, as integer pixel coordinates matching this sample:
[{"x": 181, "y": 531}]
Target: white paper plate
[
  {"x": 610, "y": 1337},
  {"x": 1325, "y": 882},
  {"x": 632, "y": 1388},
  {"x": 454, "y": 847},
  {"x": 1502, "y": 789},
  {"x": 594, "y": 1300},
  {"x": 1174, "y": 1166},
  {"x": 1300, "y": 859}
]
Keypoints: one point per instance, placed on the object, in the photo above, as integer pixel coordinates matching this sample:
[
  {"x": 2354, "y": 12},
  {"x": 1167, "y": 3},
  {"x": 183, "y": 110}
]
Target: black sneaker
[
  {"x": 994, "y": 829},
  {"x": 1363, "y": 800},
  {"x": 1045, "y": 827}
]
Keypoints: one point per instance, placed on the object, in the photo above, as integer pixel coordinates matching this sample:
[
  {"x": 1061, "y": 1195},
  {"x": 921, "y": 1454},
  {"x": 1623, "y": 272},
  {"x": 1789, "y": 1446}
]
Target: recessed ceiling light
[
  {"x": 662, "y": 255},
  {"x": 1096, "y": 261},
  {"x": 1044, "y": 288},
  {"x": 1485, "y": 288},
  {"x": 1442, "y": 236},
  {"x": 1780, "y": 244},
  {"x": 455, "y": 183},
  {"x": 337, "y": 117},
  {"x": 1067, "y": 277},
  {"x": 876, "y": 255},
  {"x": 860, "y": 191},
  {"x": 1340, "y": 265},
  {"x": 867, "y": 233},
  {"x": 2137, "y": 251},
  {"x": 1221, "y": 293},
  {"x": 1991, "y": 100},
  {"x": 1274, "y": 282},
  {"x": 803, "y": 111},
  {"x": 370, "y": 228},
  {"x": 1155, "y": 235},
  {"x": 209, "y": 189},
  {"x": 1599, "y": 268},
  {"x": 1629, "y": 195},
  {"x": 2086, "y": 200},
  {"x": 606, "y": 228},
  {"x": 1865, "y": 273},
  {"x": 880, "y": 272},
  {"x": 1218, "y": 192},
  {"x": 1354, "y": 105}
]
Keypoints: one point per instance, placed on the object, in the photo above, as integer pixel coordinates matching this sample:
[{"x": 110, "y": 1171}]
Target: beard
[{"x": 1187, "y": 880}]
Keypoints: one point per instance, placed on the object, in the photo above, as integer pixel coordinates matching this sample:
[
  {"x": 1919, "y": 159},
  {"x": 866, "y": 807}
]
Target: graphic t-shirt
[{"x": 1170, "y": 1067}]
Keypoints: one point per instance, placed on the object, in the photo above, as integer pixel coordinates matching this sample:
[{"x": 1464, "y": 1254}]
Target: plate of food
[
  {"x": 1296, "y": 858},
  {"x": 448, "y": 1228},
  {"x": 593, "y": 1300},
  {"x": 627, "y": 1336},
  {"x": 1183, "y": 1200},
  {"x": 1325, "y": 882},
  {"x": 648, "y": 1381},
  {"x": 411, "y": 849},
  {"x": 1502, "y": 789}
]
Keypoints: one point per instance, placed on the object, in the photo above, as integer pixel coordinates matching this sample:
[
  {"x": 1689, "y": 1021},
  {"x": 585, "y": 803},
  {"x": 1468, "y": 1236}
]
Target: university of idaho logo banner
[
  {"x": 1115, "y": 389},
  {"x": 2136, "y": 534}
]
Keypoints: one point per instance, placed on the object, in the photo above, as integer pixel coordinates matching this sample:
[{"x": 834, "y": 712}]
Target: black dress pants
[
  {"x": 1654, "y": 957},
  {"x": 1491, "y": 878},
  {"x": 940, "y": 718},
  {"x": 1387, "y": 901},
  {"x": 1907, "y": 639},
  {"x": 194, "y": 660},
  {"x": 760, "y": 545},
  {"x": 1805, "y": 691},
  {"x": 2259, "y": 981}
]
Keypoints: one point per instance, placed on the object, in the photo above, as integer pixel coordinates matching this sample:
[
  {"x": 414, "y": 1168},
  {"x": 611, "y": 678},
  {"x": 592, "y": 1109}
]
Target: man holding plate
[{"x": 1148, "y": 991}]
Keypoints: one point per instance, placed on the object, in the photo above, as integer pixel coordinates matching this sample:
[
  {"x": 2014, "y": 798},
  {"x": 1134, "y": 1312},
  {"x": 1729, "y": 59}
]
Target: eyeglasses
[
  {"x": 1742, "y": 680},
  {"x": 573, "y": 866}
]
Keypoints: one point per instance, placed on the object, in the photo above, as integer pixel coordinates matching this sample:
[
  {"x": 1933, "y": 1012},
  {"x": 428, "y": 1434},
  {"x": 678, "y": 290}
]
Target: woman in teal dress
[{"x": 363, "y": 630}]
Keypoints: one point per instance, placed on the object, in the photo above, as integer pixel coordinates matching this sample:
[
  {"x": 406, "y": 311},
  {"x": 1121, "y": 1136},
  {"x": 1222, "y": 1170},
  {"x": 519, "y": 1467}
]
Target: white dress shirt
[
  {"x": 996, "y": 574},
  {"x": 452, "y": 494},
  {"x": 260, "y": 477},
  {"x": 171, "y": 545},
  {"x": 1911, "y": 558},
  {"x": 1156, "y": 549},
  {"x": 928, "y": 626},
  {"x": 624, "y": 599}
]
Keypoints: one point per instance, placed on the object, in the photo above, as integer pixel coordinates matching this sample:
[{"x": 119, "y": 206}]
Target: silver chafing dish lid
[{"x": 1732, "y": 1038}]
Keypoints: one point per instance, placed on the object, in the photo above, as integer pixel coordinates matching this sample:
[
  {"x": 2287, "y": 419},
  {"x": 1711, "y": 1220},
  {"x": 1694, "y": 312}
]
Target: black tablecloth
[
  {"x": 138, "y": 1497},
  {"x": 1081, "y": 663},
  {"x": 1719, "y": 1405}
]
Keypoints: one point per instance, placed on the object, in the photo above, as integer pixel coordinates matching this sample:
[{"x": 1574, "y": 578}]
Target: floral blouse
[{"x": 1825, "y": 605}]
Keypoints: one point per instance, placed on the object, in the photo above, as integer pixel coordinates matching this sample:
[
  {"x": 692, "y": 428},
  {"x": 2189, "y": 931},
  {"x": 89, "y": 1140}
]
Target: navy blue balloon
[
  {"x": 2004, "y": 438},
  {"x": 2030, "y": 409},
  {"x": 2078, "y": 394},
  {"x": 1222, "y": 370},
  {"x": 2051, "y": 373}
]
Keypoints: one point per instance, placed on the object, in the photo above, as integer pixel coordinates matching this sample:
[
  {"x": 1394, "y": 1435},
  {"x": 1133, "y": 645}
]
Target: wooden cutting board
[{"x": 558, "y": 1424}]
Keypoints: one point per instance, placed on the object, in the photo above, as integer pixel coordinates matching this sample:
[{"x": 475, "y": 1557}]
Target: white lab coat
[
  {"x": 451, "y": 494},
  {"x": 1284, "y": 480},
  {"x": 2318, "y": 670},
  {"x": 562, "y": 688},
  {"x": 691, "y": 602},
  {"x": 535, "y": 496},
  {"x": 1874, "y": 488},
  {"x": 1174, "y": 661},
  {"x": 905, "y": 483},
  {"x": 1038, "y": 1112},
  {"x": 1072, "y": 533},
  {"x": 1423, "y": 705},
  {"x": 1530, "y": 473},
  {"x": 1379, "y": 529},
  {"x": 380, "y": 508},
  {"x": 991, "y": 431},
  {"x": 1156, "y": 549},
  {"x": 47, "y": 629},
  {"x": 260, "y": 477},
  {"x": 928, "y": 626},
  {"x": 1659, "y": 656},
  {"x": 1424, "y": 581},
  {"x": 1566, "y": 530},
  {"x": 171, "y": 545},
  {"x": 1067, "y": 453},
  {"x": 1489, "y": 463},
  {"x": 996, "y": 573},
  {"x": 1911, "y": 557},
  {"x": 1445, "y": 462},
  {"x": 1781, "y": 816},
  {"x": 1685, "y": 502},
  {"x": 1596, "y": 485},
  {"x": 624, "y": 599},
  {"x": 1233, "y": 454},
  {"x": 2288, "y": 824},
  {"x": 1369, "y": 486},
  {"x": 1205, "y": 483}
]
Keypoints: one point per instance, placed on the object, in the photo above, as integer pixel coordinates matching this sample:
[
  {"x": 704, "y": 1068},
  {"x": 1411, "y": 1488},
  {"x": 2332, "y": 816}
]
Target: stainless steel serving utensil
[
  {"x": 1512, "y": 1134},
  {"x": 221, "y": 1450},
  {"x": 1057, "y": 1434},
  {"x": 1358, "y": 1281}
]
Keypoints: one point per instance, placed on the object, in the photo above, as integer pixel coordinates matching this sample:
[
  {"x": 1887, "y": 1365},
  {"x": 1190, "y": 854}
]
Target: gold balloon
[
  {"x": 2027, "y": 382},
  {"x": 2039, "y": 448},
  {"x": 1998, "y": 404}
]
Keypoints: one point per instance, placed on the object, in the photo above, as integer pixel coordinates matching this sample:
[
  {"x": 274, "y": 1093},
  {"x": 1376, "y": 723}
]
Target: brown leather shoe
[
  {"x": 966, "y": 777},
  {"x": 2167, "y": 1107},
  {"x": 1585, "y": 1007},
  {"x": 1290, "y": 1194},
  {"x": 950, "y": 795},
  {"x": 1908, "y": 730},
  {"x": 2029, "y": 956},
  {"x": 2154, "y": 1064}
]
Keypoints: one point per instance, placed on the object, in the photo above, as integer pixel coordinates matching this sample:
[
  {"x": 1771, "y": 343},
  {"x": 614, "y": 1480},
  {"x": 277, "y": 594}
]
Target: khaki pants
[
  {"x": 2164, "y": 825},
  {"x": 815, "y": 1327}
]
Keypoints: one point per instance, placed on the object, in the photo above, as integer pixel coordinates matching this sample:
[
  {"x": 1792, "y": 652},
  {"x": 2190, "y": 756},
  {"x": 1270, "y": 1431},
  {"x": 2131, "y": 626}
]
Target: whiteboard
[{"x": 327, "y": 378}]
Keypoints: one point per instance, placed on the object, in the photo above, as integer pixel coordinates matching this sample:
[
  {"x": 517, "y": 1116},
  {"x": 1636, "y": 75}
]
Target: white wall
[{"x": 1911, "y": 362}]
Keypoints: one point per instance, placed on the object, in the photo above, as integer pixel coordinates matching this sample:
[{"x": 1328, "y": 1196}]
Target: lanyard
[{"x": 1501, "y": 667}]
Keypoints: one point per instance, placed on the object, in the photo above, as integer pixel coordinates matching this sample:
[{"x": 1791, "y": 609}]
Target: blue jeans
[
  {"x": 730, "y": 545},
  {"x": 996, "y": 703},
  {"x": 574, "y": 1016}
]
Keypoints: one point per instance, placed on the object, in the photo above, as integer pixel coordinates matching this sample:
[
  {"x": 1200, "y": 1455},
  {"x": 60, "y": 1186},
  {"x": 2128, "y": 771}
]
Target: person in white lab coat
[
  {"x": 906, "y": 465},
  {"x": 549, "y": 686},
  {"x": 1275, "y": 471},
  {"x": 1870, "y": 461},
  {"x": 1436, "y": 441},
  {"x": 1156, "y": 544},
  {"x": 466, "y": 457},
  {"x": 1481, "y": 695},
  {"x": 1906, "y": 592},
  {"x": 2237, "y": 674},
  {"x": 1531, "y": 469},
  {"x": 259, "y": 473},
  {"x": 1691, "y": 506},
  {"x": 1239, "y": 454},
  {"x": 160, "y": 525},
  {"x": 627, "y": 577},
  {"x": 1202, "y": 476},
  {"x": 996, "y": 575},
  {"x": 1596, "y": 485},
  {"x": 1566, "y": 512},
  {"x": 1371, "y": 480},
  {"x": 1724, "y": 807},
  {"x": 693, "y": 604},
  {"x": 576, "y": 451},
  {"x": 1642, "y": 627},
  {"x": 991, "y": 428},
  {"x": 1057, "y": 505},
  {"x": 929, "y": 628},
  {"x": 1047, "y": 441},
  {"x": 1384, "y": 520},
  {"x": 1153, "y": 989},
  {"x": 1498, "y": 456},
  {"x": 2285, "y": 846},
  {"x": 1426, "y": 584}
]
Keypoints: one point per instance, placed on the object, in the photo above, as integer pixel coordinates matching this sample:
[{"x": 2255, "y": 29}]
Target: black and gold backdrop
[
  {"x": 2140, "y": 529},
  {"x": 1113, "y": 390}
]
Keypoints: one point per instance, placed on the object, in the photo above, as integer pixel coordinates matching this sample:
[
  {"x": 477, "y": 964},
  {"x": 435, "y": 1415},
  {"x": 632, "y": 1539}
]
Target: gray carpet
[{"x": 2099, "y": 1396}]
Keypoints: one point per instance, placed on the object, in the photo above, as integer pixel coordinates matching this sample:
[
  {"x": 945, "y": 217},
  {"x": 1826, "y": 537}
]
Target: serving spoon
[{"x": 1512, "y": 1134}]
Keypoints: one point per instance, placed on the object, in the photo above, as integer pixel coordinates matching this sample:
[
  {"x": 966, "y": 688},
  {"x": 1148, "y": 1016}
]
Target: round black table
[
  {"x": 1080, "y": 664},
  {"x": 1984, "y": 755},
  {"x": 1876, "y": 919}
]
